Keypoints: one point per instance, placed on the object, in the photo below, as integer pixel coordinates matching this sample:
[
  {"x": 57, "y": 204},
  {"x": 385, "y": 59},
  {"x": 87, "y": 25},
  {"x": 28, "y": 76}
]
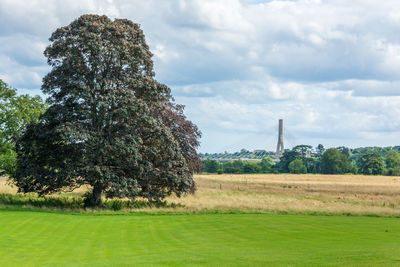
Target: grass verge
[{"x": 75, "y": 203}]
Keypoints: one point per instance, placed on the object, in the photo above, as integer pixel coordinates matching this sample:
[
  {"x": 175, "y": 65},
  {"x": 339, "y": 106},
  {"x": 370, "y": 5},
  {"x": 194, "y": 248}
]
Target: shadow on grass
[{"x": 76, "y": 203}]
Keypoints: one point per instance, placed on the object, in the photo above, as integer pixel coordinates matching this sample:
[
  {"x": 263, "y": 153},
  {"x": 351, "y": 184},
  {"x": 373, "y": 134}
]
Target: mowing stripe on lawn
[{"x": 39, "y": 238}]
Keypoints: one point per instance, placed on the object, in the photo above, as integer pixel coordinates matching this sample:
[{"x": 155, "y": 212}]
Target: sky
[{"x": 330, "y": 69}]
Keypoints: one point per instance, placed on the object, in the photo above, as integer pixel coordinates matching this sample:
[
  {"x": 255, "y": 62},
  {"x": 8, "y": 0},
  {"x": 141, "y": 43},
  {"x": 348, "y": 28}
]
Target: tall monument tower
[{"x": 280, "y": 148}]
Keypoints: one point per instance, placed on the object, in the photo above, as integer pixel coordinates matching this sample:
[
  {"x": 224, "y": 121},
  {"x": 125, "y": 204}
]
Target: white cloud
[
  {"x": 315, "y": 115},
  {"x": 329, "y": 68}
]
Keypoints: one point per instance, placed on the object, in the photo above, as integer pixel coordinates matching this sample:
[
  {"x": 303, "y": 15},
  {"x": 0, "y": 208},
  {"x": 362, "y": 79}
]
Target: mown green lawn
[{"x": 29, "y": 238}]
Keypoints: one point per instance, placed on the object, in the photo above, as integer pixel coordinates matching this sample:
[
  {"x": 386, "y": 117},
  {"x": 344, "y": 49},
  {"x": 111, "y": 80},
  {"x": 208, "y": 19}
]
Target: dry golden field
[
  {"x": 297, "y": 193},
  {"x": 355, "y": 194}
]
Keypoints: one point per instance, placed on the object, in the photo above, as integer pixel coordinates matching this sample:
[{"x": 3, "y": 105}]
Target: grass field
[
  {"x": 232, "y": 220},
  {"x": 334, "y": 194},
  {"x": 29, "y": 238},
  {"x": 286, "y": 193}
]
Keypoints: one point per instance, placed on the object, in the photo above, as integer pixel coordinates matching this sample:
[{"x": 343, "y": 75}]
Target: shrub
[
  {"x": 34, "y": 200},
  {"x": 64, "y": 202}
]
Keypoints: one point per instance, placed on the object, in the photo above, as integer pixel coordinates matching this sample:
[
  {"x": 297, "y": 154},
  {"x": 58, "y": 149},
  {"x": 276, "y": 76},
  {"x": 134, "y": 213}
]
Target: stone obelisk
[{"x": 280, "y": 148}]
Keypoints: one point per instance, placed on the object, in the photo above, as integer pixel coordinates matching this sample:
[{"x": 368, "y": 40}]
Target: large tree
[
  {"x": 106, "y": 124},
  {"x": 302, "y": 152},
  {"x": 287, "y": 157},
  {"x": 371, "y": 162},
  {"x": 334, "y": 162},
  {"x": 16, "y": 112}
]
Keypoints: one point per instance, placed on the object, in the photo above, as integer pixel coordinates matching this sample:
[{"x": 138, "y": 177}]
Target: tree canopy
[
  {"x": 16, "y": 112},
  {"x": 185, "y": 133},
  {"x": 110, "y": 124},
  {"x": 302, "y": 152},
  {"x": 371, "y": 163},
  {"x": 392, "y": 160},
  {"x": 334, "y": 162}
]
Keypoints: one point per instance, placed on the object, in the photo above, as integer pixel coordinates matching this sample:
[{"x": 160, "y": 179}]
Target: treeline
[
  {"x": 266, "y": 165},
  {"x": 306, "y": 159},
  {"x": 242, "y": 154}
]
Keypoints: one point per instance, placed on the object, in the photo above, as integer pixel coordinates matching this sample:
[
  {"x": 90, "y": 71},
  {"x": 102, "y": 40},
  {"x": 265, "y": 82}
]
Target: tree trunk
[{"x": 97, "y": 190}]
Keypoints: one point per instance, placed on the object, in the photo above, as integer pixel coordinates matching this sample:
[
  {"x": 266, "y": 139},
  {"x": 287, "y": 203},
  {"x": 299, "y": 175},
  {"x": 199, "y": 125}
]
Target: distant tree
[
  {"x": 311, "y": 163},
  {"x": 251, "y": 167},
  {"x": 314, "y": 170},
  {"x": 287, "y": 157},
  {"x": 103, "y": 127},
  {"x": 238, "y": 166},
  {"x": 316, "y": 164},
  {"x": 210, "y": 166},
  {"x": 228, "y": 167},
  {"x": 371, "y": 163},
  {"x": 353, "y": 167},
  {"x": 248, "y": 167},
  {"x": 334, "y": 162},
  {"x": 297, "y": 166},
  {"x": 266, "y": 164},
  {"x": 16, "y": 112},
  {"x": 320, "y": 150},
  {"x": 303, "y": 150},
  {"x": 392, "y": 160},
  {"x": 344, "y": 150}
]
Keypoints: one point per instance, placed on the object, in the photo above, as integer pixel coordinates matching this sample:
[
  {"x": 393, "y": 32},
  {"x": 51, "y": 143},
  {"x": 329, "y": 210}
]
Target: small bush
[
  {"x": 88, "y": 200},
  {"x": 115, "y": 204}
]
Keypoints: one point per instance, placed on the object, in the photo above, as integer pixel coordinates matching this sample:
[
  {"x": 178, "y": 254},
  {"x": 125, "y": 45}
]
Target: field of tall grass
[
  {"x": 354, "y": 194},
  {"x": 281, "y": 193}
]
